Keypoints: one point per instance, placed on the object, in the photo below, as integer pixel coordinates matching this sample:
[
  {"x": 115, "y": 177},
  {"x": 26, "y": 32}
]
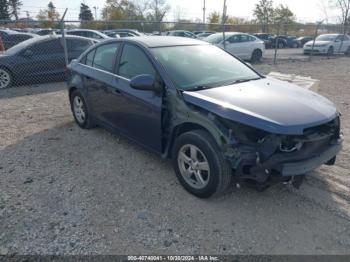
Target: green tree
[
  {"x": 264, "y": 14},
  {"x": 4, "y": 10},
  {"x": 15, "y": 6},
  {"x": 85, "y": 13},
  {"x": 285, "y": 17},
  {"x": 48, "y": 16}
]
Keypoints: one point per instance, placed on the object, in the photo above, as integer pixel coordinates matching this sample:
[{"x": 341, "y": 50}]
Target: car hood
[
  {"x": 319, "y": 42},
  {"x": 268, "y": 104}
]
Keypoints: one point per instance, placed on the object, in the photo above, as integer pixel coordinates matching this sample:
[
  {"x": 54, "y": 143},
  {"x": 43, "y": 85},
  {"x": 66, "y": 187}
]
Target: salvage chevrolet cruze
[{"x": 217, "y": 118}]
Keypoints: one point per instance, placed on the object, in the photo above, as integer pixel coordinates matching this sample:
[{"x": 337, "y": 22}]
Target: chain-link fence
[{"x": 38, "y": 51}]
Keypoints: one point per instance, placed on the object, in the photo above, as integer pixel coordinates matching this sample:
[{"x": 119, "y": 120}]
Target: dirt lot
[{"x": 64, "y": 190}]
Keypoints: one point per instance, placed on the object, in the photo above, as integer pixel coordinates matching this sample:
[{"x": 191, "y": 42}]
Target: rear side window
[
  {"x": 77, "y": 45},
  {"x": 105, "y": 56},
  {"x": 134, "y": 62},
  {"x": 47, "y": 48}
]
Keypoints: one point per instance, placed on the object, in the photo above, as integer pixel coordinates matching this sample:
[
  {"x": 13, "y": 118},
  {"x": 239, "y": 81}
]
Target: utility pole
[
  {"x": 95, "y": 8},
  {"x": 223, "y": 23},
  {"x": 203, "y": 11}
]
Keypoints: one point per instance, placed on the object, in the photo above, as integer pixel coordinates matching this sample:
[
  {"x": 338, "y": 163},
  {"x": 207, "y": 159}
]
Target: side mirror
[
  {"x": 143, "y": 82},
  {"x": 28, "y": 53}
]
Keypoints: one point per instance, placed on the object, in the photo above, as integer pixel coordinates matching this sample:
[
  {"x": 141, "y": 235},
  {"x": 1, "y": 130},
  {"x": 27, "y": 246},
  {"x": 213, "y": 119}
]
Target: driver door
[{"x": 137, "y": 113}]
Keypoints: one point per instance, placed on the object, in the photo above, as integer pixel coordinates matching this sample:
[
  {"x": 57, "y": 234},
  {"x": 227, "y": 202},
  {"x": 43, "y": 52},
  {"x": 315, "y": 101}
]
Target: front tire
[
  {"x": 200, "y": 165},
  {"x": 80, "y": 110},
  {"x": 5, "y": 78}
]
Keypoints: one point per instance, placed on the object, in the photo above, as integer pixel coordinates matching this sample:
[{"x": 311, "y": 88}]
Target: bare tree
[
  {"x": 159, "y": 9},
  {"x": 344, "y": 7}
]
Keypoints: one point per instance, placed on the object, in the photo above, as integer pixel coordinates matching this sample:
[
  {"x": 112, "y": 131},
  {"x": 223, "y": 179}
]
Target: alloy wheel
[
  {"x": 79, "y": 109},
  {"x": 193, "y": 166},
  {"x": 5, "y": 78}
]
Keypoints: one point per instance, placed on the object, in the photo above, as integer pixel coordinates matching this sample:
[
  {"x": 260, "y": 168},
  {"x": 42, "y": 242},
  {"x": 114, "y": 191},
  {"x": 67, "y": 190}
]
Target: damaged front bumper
[
  {"x": 303, "y": 167},
  {"x": 281, "y": 158}
]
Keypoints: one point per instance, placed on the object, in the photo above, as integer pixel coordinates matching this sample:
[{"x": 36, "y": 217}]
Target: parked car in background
[
  {"x": 304, "y": 39},
  {"x": 122, "y": 33},
  {"x": 267, "y": 38},
  {"x": 204, "y": 35},
  {"x": 88, "y": 33},
  {"x": 204, "y": 32},
  {"x": 11, "y": 38},
  {"x": 244, "y": 46},
  {"x": 215, "y": 117},
  {"x": 39, "y": 59},
  {"x": 329, "y": 44},
  {"x": 291, "y": 41},
  {"x": 44, "y": 32},
  {"x": 181, "y": 33}
]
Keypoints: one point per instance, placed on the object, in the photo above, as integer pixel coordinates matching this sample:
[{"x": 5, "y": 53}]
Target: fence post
[
  {"x": 313, "y": 43},
  {"x": 276, "y": 43},
  {"x": 223, "y": 24},
  {"x": 64, "y": 38}
]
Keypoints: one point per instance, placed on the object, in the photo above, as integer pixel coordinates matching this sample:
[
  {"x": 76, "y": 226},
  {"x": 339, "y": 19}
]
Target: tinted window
[
  {"x": 47, "y": 47},
  {"x": 77, "y": 45},
  {"x": 104, "y": 57},
  {"x": 134, "y": 62},
  {"x": 93, "y": 35}
]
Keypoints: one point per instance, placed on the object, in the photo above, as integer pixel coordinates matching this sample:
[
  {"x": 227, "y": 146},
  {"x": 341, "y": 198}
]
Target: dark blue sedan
[
  {"x": 40, "y": 59},
  {"x": 217, "y": 118}
]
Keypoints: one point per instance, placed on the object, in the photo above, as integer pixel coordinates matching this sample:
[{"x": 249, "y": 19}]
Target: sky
[{"x": 305, "y": 10}]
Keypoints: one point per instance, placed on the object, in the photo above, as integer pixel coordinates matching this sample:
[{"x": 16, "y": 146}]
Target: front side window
[
  {"x": 104, "y": 57},
  {"x": 207, "y": 66},
  {"x": 134, "y": 62}
]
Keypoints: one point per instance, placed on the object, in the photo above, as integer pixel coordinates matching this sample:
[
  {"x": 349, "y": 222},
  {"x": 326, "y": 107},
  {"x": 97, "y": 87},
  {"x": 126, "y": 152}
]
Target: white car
[
  {"x": 244, "y": 46},
  {"x": 329, "y": 44},
  {"x": 88, "y": 33}
]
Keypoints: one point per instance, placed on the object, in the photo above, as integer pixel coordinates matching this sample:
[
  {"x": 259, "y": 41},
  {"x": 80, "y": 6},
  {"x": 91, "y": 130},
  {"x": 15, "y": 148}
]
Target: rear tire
[
  {"x": 280, "y": 45},
  {"x": 256, "y": 56},
  {"x": 200, "y": 165},
  {"x": 5, "y": 78},
  {"x": 80, "y": 110},
  {"x": 330, "y": 51}
]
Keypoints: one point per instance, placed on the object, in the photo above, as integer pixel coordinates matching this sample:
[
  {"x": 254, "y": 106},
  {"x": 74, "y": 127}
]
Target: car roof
[{"x": 160, "y": 41}]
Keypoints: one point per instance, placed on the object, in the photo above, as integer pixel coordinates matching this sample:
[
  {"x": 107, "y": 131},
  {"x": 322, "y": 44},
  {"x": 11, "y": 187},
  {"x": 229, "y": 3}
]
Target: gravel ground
[{"x": 64, "y": 190}]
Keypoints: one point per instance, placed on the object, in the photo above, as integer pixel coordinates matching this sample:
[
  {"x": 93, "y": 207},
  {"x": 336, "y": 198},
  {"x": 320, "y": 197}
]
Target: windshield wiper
[
  {"x": 239, "y": 81},
  {"x": 197, "y": 88}
]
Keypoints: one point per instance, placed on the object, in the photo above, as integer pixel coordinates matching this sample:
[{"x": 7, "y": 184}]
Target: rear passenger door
[{"x": 100, "y": 80}]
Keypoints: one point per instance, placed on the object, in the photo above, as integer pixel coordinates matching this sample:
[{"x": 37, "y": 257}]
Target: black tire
[
  {"x": 347, "y": 53},
  {"x": 280, "y": 45},
  {"x": 330, "y": 51},
  {"x": 220, "y": 175},
  {"x": 295, "y": 45},
  {"x": 6, "y": 79},
  {"x": 256, "y": 56},
  {"x": 86, "y": 122}
]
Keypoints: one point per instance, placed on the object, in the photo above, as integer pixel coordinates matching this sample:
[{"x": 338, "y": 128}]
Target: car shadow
[
  {"x": 93, "y": 181},
  {"x": 27, "y": 90}
]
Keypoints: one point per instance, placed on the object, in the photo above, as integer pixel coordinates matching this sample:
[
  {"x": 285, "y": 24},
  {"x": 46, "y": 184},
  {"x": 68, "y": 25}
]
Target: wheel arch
[{"x": 184, "y": 127}]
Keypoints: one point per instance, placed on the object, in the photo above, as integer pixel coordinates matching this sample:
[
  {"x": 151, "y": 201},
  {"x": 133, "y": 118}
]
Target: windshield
[
  {"x": 202, "y": 66},
  {"x": 326, "y": 38}
]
